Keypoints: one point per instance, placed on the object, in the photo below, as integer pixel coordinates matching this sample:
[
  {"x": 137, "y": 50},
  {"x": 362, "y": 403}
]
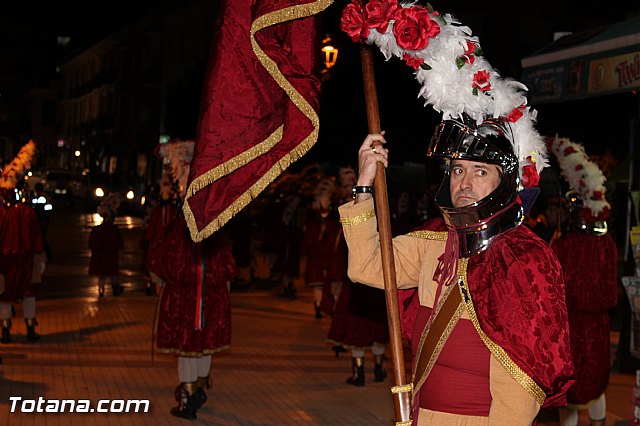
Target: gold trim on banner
[
  {"x": 503, "y": 358},
  {"x": 356, "y": 220},
  {"x": 273, "y": 18},
  {"x": 429, "y": 235},
  {"x": 404, "y": 423}
]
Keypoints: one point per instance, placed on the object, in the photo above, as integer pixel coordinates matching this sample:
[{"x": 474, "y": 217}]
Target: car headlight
[
  {"x": 99, "y": 192},
  {"x": 130, "y": 195}
]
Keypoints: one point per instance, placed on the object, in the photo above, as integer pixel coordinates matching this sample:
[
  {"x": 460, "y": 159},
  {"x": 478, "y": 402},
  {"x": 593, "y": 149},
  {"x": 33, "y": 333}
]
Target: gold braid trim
[
  {"x": 273, "y": 18},
  {"x": 356, "y": 220},
  {"x": 429, "y": 235},
  {"x": 402, "y": 388},
  {"x": 503, "y": 358},
  {"x": 409, "y": 423}
]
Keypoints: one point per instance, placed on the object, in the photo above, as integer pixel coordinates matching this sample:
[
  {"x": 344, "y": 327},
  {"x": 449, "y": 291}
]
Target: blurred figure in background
[
  {"x": 105, "y": 242},
  {"x": 156, "y": 226},
  {"x": 22, "y": 253},
  {"x": 588, "y": 256}
]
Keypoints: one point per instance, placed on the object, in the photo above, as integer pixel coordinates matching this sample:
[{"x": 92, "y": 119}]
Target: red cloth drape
[{"x": 259, "y": 106}]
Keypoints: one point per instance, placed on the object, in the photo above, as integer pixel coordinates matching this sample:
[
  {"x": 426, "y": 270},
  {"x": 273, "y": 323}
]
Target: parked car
[
  {"x": 57, "y": 183},
  {"x": 90, "y": 189}
]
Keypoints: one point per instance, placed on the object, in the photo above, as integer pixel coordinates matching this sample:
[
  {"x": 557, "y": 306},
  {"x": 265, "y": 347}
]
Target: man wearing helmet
[{"x": 502, "y": 351}]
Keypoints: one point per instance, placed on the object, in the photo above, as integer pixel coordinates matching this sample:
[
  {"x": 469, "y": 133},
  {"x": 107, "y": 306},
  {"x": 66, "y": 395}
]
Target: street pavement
[{"x": 279, "y": 371}]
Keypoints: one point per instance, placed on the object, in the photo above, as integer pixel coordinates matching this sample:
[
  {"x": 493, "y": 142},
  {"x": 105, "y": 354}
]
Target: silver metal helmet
[{"x": 489, "y": 142}]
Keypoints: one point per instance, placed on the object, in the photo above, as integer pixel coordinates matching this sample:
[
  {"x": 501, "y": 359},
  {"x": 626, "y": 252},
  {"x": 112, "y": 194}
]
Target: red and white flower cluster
[
  {"x": 450, "y": 65},
  {"x": 583, "y": 176},
  {"x": 177, "y": 155},
  {"x": 15, "y": 170}
]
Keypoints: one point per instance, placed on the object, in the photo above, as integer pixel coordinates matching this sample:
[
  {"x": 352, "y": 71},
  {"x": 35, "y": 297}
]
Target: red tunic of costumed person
[
  {"x": 589, "y": 264},
  {"x": 194, "y": 315},
  {"x": 22, "y": 239},
  {"x": 157, "y": 224}
]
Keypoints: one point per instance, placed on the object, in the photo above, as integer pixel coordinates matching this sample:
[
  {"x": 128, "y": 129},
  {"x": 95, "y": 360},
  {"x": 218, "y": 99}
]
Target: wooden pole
[{"x": 401, "y": 399}]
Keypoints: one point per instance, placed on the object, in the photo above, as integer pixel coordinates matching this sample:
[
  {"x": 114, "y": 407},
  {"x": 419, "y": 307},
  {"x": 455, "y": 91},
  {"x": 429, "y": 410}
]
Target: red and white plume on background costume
[
  {"x": 584, "y": 177},
  {"x": 177, "y": 154},
  {"x": 15, "y": 170},
  {"x": 450, "y": 66}
]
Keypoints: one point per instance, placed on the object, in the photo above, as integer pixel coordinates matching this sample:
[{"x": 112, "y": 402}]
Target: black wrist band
[{"x": 361, "y": 190}]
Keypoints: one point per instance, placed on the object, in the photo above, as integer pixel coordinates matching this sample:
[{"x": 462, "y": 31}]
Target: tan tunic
[{"x": 415, "y": 266}]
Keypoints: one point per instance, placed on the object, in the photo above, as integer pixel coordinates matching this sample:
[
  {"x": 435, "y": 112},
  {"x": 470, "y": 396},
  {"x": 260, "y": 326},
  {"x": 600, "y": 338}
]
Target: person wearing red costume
[
  {"x": 105, "y": 243},
  {"x": 503, "y": 351},
  {"x": 359, "y": 319},
  {"x": 22, "y": 254},
  {"x": 589, "y": 257},
  {"x": 194, "y": 313},
  {"x": 321, "y": 236},
  {"x": 156, "y": 226}
]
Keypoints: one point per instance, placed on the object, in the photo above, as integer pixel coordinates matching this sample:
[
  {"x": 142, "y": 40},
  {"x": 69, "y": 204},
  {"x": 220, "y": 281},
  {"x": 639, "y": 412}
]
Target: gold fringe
[
  {"x": 403, "y": 423},
  {"x": 176, "y": 351},
  {"x": 429, "y": 235},
  {"x": 356, "y": 220},
  {"x": 235, "y": 163},
  {"x": 273, "y": 18},
  {"x": 512, "y": 368}
]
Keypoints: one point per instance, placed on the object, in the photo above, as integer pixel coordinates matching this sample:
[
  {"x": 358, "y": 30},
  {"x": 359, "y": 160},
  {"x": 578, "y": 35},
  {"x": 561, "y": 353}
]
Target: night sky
[{"x": 28, "y": 53}]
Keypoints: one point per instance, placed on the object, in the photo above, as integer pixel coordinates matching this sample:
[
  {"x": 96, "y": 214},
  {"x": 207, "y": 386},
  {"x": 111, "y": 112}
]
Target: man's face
[{"x": 471, "y": 181}]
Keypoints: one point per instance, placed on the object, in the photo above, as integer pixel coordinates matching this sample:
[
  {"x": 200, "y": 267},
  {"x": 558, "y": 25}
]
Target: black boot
[
  {"x": 31, "y": 323},
  {"x": 379, "y": 373},
  {"x": 6, "y": 331},
  {"x": 318, "y": 313},
  {"x": 187, "y": 405},
  {"x": 338, "y": 349},
  {"x": 201, "y": 395},
  {"x": 358, "y": 372}
]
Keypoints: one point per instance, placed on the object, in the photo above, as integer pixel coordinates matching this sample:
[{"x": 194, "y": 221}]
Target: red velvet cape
[{"x": 528, "y": 320}]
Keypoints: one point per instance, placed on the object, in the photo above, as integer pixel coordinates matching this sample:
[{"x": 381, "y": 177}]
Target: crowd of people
[{"x": 304, "y": 228}]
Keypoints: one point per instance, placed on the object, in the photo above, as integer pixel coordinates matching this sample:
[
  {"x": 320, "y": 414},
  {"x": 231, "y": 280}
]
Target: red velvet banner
[{"x": 259, "y": 106}]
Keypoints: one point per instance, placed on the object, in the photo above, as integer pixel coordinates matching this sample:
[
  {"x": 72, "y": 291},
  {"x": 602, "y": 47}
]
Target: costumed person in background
[
  {"x": 488, "y": 316},
  {"x": 156, "y": 226},
  {"x": 22, "y": 247},
  {"x": 286, "y": 265},
  {"x": 359, "y": 320},
  {"x": 194, "y": 317},
  {"x": 589, "y": 260},
  {"x": 105, "y": 243},
  {"x": 321, "y": 233}
]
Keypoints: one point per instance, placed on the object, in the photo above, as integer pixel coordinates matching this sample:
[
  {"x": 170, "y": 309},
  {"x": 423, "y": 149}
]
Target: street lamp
[
  {"x": 77, "y": 153},
  {"x": 329, "y": 55}
]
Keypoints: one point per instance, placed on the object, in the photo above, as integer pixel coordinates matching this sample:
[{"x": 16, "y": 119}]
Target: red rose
[
  {"x": 353, "y": 22},
  {"x": 468, "y": 55},
  {"x": 413, "y": 61},
  {"x": 569, "y": 150},
  {"x": 481, "y": 81},
  {"x": 515, "y": 114},
  {"x": 579, "y": 167},
  {"x": 380, "y": 12},
  {"x": 414, "y": 27},
  {"x": 530, "y": 176},
  {"x": 597, "y": 195}
]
